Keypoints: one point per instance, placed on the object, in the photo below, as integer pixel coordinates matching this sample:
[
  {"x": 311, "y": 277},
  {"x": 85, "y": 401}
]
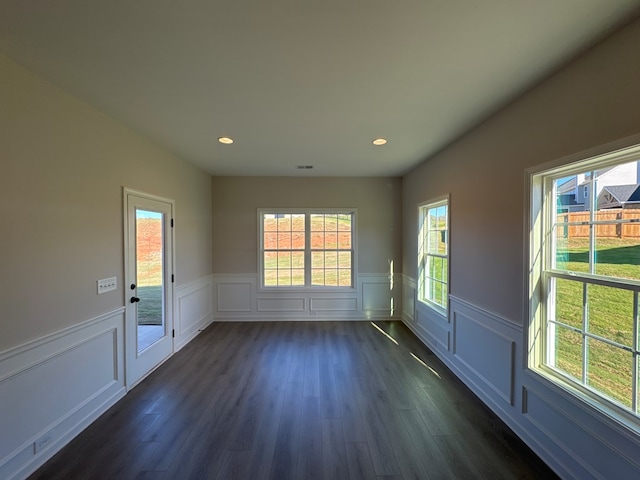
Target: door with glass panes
[{"x": 148, "y": 283}]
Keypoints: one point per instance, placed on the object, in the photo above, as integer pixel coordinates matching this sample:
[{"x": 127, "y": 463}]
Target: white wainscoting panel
[
  {"x": 486, "y": 348},
  {"x": 408, "y": 299},
  {"x": 333, "y": 304},
  {"x": 433, "y": 329},
  {"x": 194, "y": 309},
  {"x": 377, "y": 297},
  {"x": 574, "y": 433},
  {"x": 281, "y": 304},
  {"x": 487, "y": 353},
  {"x": 494, "y": 363},
  {"x": 237, "y": 297},
  {"x": 54, "y": 387}
]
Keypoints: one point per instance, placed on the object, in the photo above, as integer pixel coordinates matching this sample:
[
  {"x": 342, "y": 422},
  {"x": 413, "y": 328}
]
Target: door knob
[{"x": 135, "y": 299}]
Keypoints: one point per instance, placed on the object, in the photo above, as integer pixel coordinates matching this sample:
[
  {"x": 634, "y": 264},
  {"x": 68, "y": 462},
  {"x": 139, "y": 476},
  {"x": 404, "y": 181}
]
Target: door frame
[{"x": 168, "y": 280}]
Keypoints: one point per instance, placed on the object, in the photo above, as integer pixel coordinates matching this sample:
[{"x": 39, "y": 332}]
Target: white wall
[
  {"x": 63, "y": 165},
  {"x": 593, "y": 101},
  {"x": 236, "y": 200}
]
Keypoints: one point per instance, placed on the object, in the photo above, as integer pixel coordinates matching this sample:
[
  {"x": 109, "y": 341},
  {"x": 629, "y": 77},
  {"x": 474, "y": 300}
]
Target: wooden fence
[{"x": 611, "y": 230}]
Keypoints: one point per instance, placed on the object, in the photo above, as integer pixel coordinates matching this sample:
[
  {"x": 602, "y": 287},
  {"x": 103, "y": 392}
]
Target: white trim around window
[
  {"x": 584, "y": 289},
  {"x": 433, "y": 254},
  {"x": 313, "y": 249}
]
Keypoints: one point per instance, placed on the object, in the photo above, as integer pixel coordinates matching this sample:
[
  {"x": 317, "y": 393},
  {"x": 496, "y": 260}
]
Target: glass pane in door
[{"x": 149, "y": 277}]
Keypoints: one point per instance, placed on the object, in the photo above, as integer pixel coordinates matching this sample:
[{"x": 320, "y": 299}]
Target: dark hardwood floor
[{"x": 308, "y": 400}]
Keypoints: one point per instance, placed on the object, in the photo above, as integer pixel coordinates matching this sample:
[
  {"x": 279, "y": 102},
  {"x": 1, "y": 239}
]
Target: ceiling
[{"x": 301, "y": 82}]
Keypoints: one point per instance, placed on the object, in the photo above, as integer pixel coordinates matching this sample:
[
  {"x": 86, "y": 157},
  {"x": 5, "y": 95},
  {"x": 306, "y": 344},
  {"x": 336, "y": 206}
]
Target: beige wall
[
  {"x": 62, "y": 168},
  {"x": 236, "y": 200},
  {"x": 594, "y": 100}
]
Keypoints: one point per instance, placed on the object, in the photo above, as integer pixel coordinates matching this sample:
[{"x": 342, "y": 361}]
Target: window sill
[
  {"x": 602, "y": 408},
  {"x": 437, "y": 309}
]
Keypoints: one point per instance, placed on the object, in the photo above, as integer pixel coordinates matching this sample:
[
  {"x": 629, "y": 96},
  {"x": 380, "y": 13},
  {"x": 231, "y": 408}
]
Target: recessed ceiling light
[
  {"x": 379, "y": 141},
  {"x": 225, "y": 140}
]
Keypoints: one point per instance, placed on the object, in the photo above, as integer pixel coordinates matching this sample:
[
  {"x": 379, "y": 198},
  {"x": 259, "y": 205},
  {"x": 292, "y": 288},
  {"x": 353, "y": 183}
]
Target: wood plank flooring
[{"x": 307, "y": 400}]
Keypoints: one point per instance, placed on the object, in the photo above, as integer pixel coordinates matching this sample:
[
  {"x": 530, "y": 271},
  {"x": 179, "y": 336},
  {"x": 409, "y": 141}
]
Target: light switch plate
[{"x": 107, "y": 284}]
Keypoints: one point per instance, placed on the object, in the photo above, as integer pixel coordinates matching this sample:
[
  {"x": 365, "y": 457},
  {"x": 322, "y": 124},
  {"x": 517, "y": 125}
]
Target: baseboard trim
[
  {"x": 319, "y": 318},
  {"x": 94, "y": 351},
  {"x": 78, "y": 370},
  {"x": 67, "y": 437},
  {"x": 544, "y": 417}
]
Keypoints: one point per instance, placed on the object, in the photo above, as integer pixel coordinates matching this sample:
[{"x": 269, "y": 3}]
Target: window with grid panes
[
  {"x": 307, "y": 248},
  {"x": 585, "y": 281},
  {"x": 433, "y": 254}
]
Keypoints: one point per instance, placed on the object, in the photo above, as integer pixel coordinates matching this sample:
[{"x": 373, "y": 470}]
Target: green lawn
[
  {"x": 327, "y": 268},
  {"x": 330, "y": 240},
  {"x": 609, "y": 369},
  {"x": 150, "y": 305}
]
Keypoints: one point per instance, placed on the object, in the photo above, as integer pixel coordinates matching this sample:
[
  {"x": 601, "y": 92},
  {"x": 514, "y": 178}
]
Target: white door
[{"x": 148, "y": 283}]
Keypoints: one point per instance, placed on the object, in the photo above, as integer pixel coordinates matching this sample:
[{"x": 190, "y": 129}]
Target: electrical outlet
[
  {"x": 107, "y": 284},
  {"x": 42, "y": 442}
]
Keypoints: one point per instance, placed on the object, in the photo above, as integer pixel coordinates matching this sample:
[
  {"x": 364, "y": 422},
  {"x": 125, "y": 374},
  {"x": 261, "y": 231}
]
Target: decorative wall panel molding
[
  {"x": 194, "y": 310},
  {"x": 493, "y": 365},
  {"x": 281, "y": 305},
  {"x": 488, "y": 355},
  {"x": 408, "y": 298},
  {"x": 433, "y": 329},
  {"x": 54, "y": 387},
  {"x": 571, "y": 434},
  {"x": 237, "y": 297},
  {"x": 376, "y": 297},
  {"x": 334, "y": 304}
]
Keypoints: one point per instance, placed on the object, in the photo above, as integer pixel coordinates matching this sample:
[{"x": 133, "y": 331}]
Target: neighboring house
[
  {"x": 624, "y": 175},
  {"x": 567, "y": 203},
  {"x": 619, "y": 196},
  {"x": 567, "y": 193}
]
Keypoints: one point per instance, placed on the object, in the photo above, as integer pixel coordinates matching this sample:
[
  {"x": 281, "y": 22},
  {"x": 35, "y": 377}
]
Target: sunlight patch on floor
[
  {"x": 384, "y": 333},
  {"x": 426, "y": 366}
]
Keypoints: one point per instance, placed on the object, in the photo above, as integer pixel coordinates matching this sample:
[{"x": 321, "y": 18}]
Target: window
[
  {"x": 307, "y": 248},
  {"x": 433, "y": 254},
  {"x": 585, "y": 282}
]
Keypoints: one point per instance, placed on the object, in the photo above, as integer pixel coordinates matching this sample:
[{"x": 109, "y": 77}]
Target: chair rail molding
[
  {"x": 55, "y": 387},
  {"x": 487, "y": 352}
]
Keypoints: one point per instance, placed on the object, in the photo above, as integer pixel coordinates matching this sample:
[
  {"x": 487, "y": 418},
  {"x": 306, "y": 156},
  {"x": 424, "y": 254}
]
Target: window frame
[
  {"x": 307, "y": 212},
  {"x": 422, "y": 269},
  {"x": 540, "y": 253}
]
